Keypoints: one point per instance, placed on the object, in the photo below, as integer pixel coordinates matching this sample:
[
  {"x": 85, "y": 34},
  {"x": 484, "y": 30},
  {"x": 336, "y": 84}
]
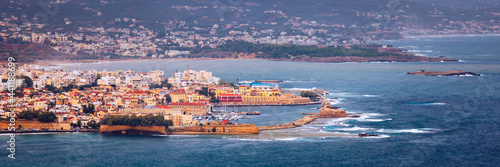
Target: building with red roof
[{"x": 225, "y": 98}]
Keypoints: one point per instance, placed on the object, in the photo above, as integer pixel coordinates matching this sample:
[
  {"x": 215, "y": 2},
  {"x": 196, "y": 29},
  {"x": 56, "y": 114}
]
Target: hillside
[{"x": 32, "y": 52}]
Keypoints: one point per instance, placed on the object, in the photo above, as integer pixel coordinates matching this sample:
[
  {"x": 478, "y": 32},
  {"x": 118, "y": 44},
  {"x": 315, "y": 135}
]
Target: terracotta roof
[
  {"x": 187, "y": 104},
  {"x": 163, "y": 107},
  {"x": 228, "y": 95}
]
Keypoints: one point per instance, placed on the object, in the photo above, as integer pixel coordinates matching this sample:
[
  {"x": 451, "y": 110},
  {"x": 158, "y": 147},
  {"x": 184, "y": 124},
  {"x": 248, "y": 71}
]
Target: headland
[{"x": 444, "y": 73}]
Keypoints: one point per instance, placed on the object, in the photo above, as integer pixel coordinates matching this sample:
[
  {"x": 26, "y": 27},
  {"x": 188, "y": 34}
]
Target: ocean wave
[
  {"x": 410, "y": 46},
  {"x": 374, "y": 120},
  {"x": 178, "y": 135},
  {"x": 295, "y": 88},
  {"x": 378, "y": 136},
  {"x": 420, "y": 51},
  {"x": 351, "y": 129},
  {"x": 346, "y": 94},
  {"x": 334, "y": 101},
  {"x": 292, "y": 81},
  {"x": 420, "y": 54},
  {"x": 271, "y": 139},
  {"x": 374, "y": 114},
  {"x": 423, "y": 130},
  {"x": 429, "y": 104}
]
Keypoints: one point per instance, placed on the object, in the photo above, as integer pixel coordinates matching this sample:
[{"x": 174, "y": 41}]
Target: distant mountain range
[{"x": 425, "y": 13}]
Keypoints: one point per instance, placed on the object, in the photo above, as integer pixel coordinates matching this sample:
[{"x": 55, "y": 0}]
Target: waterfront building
[
  {"x": 196, "y": 109},
  {"x": 224, "y": 98}
]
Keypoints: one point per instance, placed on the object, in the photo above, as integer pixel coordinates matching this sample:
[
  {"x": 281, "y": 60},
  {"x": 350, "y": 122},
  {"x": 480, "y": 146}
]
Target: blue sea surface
[{"x": 422, "y": 120}]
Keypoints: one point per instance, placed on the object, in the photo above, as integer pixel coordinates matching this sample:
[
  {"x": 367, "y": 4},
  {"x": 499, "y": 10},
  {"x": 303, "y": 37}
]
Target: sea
[{"x": 420, "y": 120}]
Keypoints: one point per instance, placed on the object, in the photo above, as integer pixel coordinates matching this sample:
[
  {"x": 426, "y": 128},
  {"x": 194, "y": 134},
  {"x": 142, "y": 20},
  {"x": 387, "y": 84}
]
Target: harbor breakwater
[{"x": 217, "y": 129}]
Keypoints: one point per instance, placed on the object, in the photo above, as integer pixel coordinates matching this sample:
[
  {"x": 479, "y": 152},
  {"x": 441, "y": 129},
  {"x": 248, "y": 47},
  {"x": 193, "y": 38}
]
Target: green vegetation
[
  {"x": 133, "y": 120},
  {"x": 29, "y": 115},
  {"x": 93, "y": 124},
  {"x": 41, "y": 116},
  {"x": 168, "y": 99},
  {"x": 203, "y": 91},
  {"x": 89, "y": 110},
  {"x": 214, "y": 100},
  {"x": 47, "y": 117},
  {"x": 163, "y": 84},
  {"x": 286, "y": 51},
  {"x": 311, "y": 95},
  {"x": 28, "y": 81},
  {"x": 224, "y": 83}
]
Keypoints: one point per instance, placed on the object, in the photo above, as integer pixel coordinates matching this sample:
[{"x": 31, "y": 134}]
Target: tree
[
  {"x": 214, "y": 100},
  {"x": 89, "y": 110},
  {"x": 79, "y": 123},
  {"x": 29, "y": 115},
  {"x": 311, "y": 95},
  {"x": 168, "y": 99},
  {"x": 28, "y": 81},
  {"x": 47, "y": 117},
  {"x": 133, "y": 120},
  {"x": 93, "y": 124},
  {"x": 203, "y": 91},
  {"x": 50, "y": 88},
  {"x": 166, "y": 84}
]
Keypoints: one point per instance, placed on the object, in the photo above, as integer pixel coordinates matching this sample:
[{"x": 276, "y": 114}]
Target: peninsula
[{"x": 444, "y": 73}]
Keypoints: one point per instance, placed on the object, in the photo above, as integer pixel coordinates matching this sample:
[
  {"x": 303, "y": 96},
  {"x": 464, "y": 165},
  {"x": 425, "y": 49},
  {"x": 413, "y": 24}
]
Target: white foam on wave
[
  {"x": 292, "y": 81},
  {"x": 420, "y": 51},
  {"x": 374, "y": 114},
  {"x": 374, "y": 120},
  {"x": 335, "y": 132},
  {"x": 426, "y": 130},
  {"x": 410, "y": 46},
  {"x": 334, "y": 101},
  {"x": 375, "y": 137},
  {"x": 295, "y": 88},
  {"x": 430, "y": 104},
  {"x": 352, "y": 129},
  {"x": 466, "y": 75},
  {"x": 267, "y": 140},
  {"x": 370, "y": 95},
  {"x": 420, "y": 54}
]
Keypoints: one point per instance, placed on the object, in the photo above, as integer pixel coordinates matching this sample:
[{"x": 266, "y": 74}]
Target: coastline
[
  {"x": 444, "y": 35},
  {"x": 59, "y": 62},
  {"x": 343, "y": 60}
]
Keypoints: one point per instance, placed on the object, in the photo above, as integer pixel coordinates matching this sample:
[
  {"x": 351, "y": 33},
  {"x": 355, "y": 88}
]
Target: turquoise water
[{"x": 424, "y": 121}]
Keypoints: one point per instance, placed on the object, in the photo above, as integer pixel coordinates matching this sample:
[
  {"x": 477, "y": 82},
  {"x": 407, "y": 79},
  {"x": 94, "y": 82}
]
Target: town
[
  {"x": 126, "y": 37},
  {"x": 81, "y": 99}
]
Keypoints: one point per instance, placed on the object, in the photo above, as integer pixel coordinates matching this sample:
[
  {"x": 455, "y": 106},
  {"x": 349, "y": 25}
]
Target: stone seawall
[
  {"x": 218, "y": 129},
  {"x": 297, "y": 123},
  {"x": 35, "y": 125},
  {"x": 264, "y": 104},
  {"x": 135, "y": 130}
]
